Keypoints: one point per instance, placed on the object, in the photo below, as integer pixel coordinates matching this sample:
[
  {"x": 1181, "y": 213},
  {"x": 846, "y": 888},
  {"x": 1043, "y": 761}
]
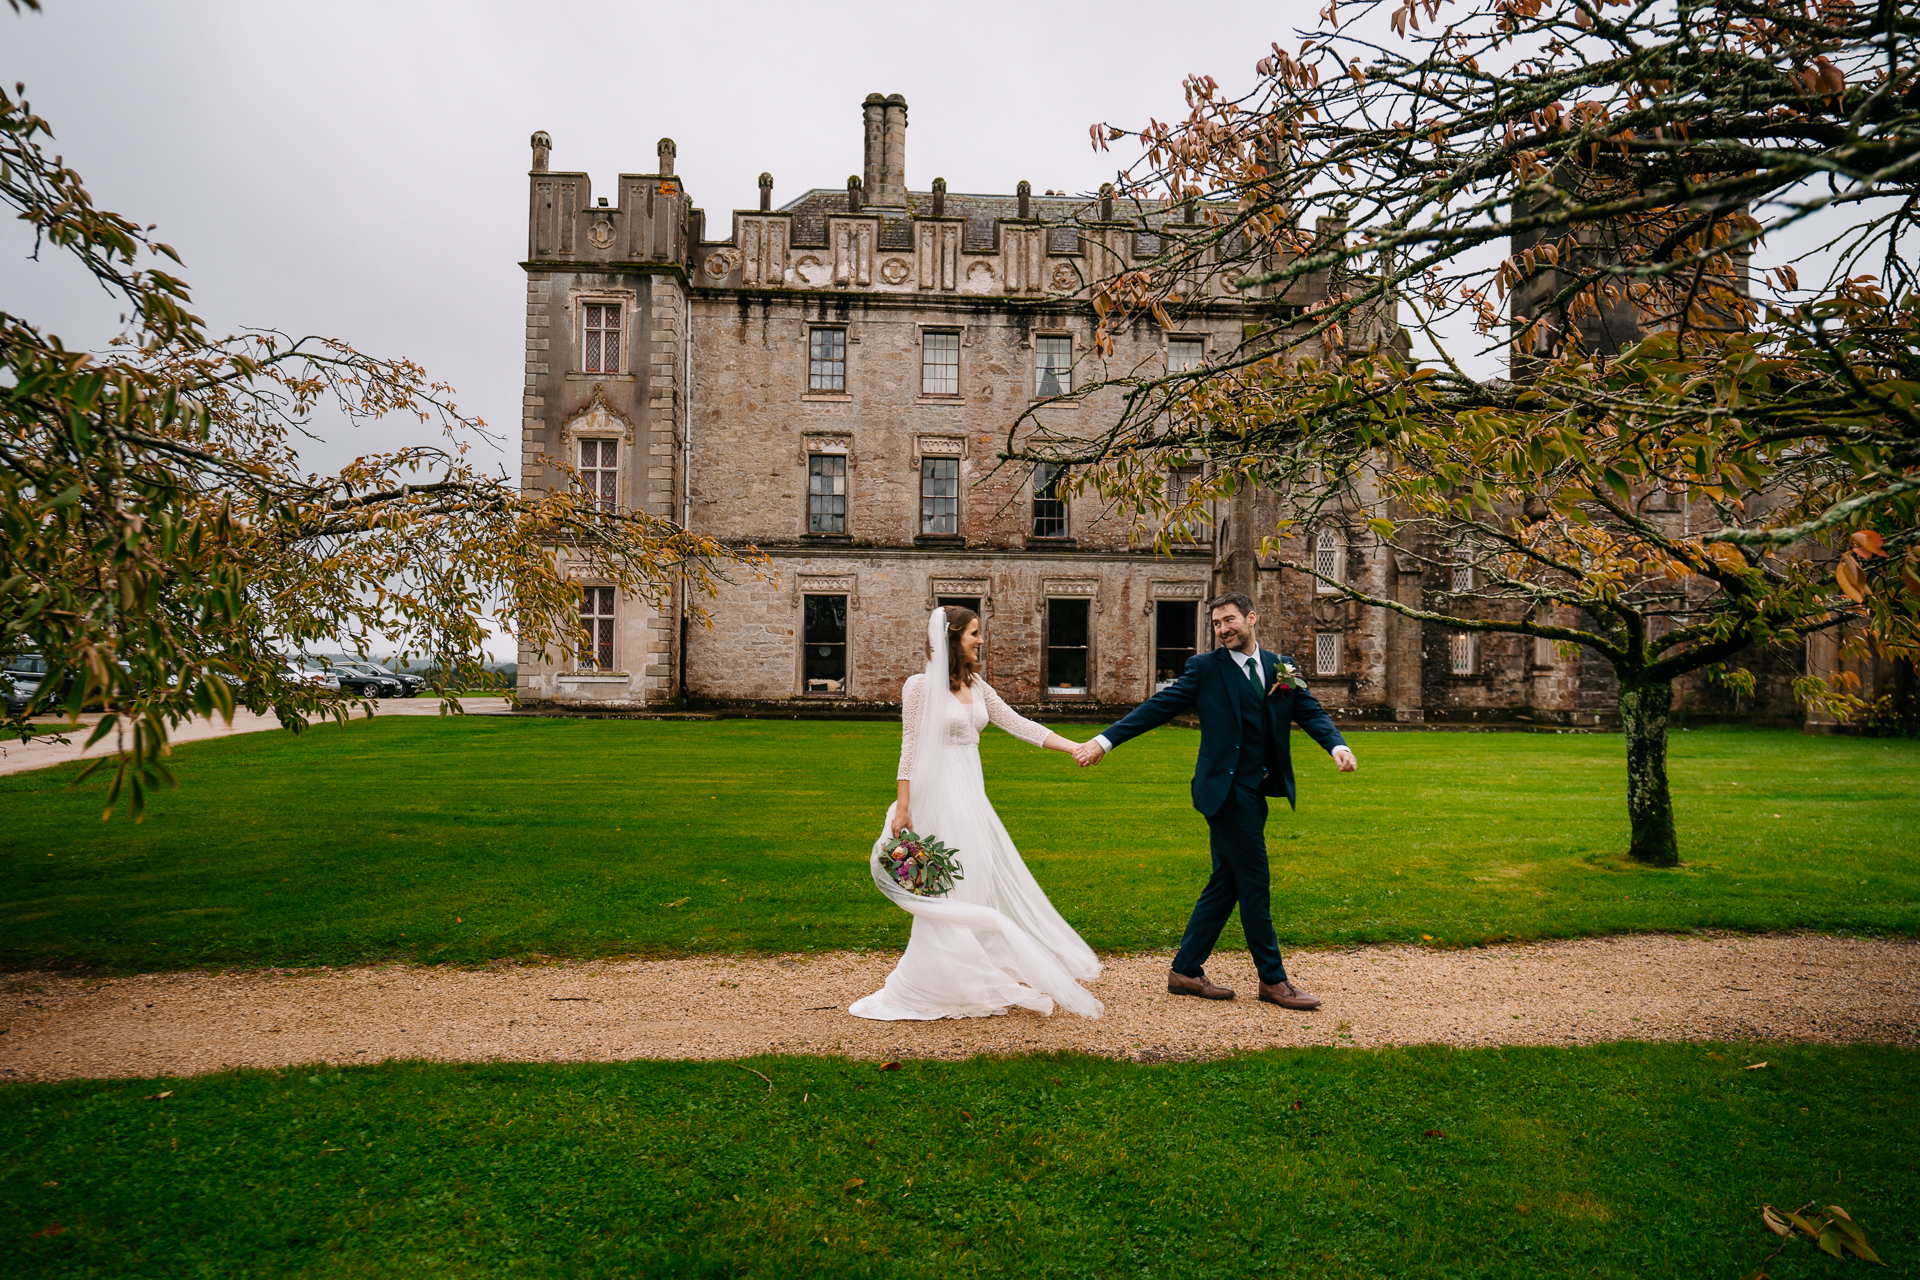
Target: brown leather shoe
[
  {"x": 1288, "y": 996},
  {"x": 1179, "y": 984}
]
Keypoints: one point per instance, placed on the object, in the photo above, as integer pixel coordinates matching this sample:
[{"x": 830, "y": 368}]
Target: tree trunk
[{"x": 1644, "y": 707}]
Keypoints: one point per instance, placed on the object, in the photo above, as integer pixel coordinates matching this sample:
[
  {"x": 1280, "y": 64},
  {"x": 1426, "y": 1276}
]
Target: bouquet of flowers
[{"x": 921, "y": 864}]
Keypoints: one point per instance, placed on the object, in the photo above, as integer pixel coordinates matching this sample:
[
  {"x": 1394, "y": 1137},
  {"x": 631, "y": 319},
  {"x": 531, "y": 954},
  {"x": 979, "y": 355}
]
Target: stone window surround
[
  {"x": 1333, "y": 644},
  {"x": 628, "y": 301},
  {"x": 852, "y": 340},
  {"x": 1074, "y": 351},
  {"x": 921, "y": 329},
  {"x": 1339, "y": 549},
  {"x": 1167, "y": 339},
  {"x": 1165, "y": 592},
  {"x": 1463, "y": 644},
  {"x": 824, "y": 584},
  {"x": 1087, "y": 589},
  {"x": 837, "y": 442},
  {"x": 596, "y": 675},
  {"x": 1033, "y": 497},
  {"x": 940, "y": 445},
  {"x": 920, "y": 514},
  {"x": 599, "y": 420}
]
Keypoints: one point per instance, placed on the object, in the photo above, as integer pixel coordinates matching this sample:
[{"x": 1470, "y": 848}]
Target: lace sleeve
[
  {"x": 1007, "y": 718},
  {"x": 909, "y": 723}
]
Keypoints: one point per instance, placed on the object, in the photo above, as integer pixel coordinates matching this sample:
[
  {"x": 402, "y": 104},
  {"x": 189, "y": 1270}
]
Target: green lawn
[
  {"x": 1619, "y": 1160},
  {"x": 470, "y": 839}
]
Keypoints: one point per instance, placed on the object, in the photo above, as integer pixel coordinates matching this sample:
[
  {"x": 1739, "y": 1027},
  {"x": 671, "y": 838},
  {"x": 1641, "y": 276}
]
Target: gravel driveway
[{"x": 1636, "y": 988}]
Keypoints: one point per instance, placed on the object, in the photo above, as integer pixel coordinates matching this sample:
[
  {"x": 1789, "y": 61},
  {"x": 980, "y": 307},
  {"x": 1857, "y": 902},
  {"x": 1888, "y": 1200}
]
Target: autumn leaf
[
  {"x": 889, "y": 1066},
  {"x": 1847, "y": 574},
  {"x": 851, "y": 1183},
  {"x": 1869, "y": 543}
]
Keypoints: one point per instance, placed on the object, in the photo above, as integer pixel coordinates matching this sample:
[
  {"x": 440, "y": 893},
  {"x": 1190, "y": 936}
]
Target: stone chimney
[
  {"x": 766, "y": 192},
  {"x": 1024, "y": 192},
  {"x": 894, "y": 188},
  {"x": 939, "y": 197},
  {"x": 873, "y": 125},
  {"x": 542, "y": 145},
  {"x": 667, "y": 151},
  {"x": 1106, "y": 202},
  {"x": 853, "y": 193},
  {"x": 884, "y": 123}
]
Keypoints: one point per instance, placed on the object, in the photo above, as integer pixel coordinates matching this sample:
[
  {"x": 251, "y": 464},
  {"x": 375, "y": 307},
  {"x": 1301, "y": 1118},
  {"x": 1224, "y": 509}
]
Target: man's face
[{"x": 1232, "y": 629}]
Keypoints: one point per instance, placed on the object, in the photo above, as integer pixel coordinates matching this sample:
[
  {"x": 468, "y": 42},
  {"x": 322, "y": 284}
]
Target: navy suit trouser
[{"x": 1240, "y": 878}]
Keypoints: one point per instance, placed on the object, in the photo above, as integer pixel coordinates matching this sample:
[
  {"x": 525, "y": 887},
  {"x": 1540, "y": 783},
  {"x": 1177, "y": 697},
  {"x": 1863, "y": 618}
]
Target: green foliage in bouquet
[{"x": 921, "y": 864}]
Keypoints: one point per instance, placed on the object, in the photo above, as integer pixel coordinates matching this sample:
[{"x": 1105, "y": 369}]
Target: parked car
[
  {"x": 20, "y": 679},
  {"x": 410, "y": 684},
  {"x": 293, "y": 673},
  {"x": 365, "y": 684}
]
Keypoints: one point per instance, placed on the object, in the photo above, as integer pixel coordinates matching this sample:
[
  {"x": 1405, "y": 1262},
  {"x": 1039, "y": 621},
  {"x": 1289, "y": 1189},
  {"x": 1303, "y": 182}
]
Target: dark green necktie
[{"x": 1253, "y": 676}]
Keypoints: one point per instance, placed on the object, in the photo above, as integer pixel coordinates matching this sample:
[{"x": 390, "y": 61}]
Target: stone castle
[{"x": 830, "y": 382}]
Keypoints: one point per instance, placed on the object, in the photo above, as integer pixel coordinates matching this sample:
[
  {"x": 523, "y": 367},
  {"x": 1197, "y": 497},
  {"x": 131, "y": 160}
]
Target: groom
[{"x": 1247, "y": 699}]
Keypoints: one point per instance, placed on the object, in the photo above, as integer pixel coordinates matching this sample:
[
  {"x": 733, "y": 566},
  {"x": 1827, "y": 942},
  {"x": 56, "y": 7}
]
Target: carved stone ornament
[
  {"x": 811, "y": 270},
  {"x": 979, "y": 277},
  {"x": 958, "y": 587},
  {"x": 941, "y": 446},
  {"x": 1177, "y": 590},
  {"x": 719, "y": 265},
  {"x": 1069, "y": 587},
  {"x": 1065, "y": 278},
  {"x": 976, "y": 588},
  {"x": 600, "y": 235},
  {"x": 1330, "y": 613},
  {"x": 894, "y": 270},
  {"x": 827, "y": 442},
  {"x": 806, "y": 584},
  {"x": 597, "y": 419}
]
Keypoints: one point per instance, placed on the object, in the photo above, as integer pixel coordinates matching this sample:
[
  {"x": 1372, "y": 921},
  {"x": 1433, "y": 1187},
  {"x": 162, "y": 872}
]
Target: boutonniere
[{"x": 1289, "y": 673}]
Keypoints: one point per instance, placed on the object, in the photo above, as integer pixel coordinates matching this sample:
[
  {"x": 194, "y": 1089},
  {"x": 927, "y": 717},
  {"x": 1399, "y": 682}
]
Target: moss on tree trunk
[{"x": 1644, "y": 710}]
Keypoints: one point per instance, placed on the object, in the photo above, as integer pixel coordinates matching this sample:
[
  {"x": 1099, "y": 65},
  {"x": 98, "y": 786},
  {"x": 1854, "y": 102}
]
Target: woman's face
[{"x": 970, "y": 642}]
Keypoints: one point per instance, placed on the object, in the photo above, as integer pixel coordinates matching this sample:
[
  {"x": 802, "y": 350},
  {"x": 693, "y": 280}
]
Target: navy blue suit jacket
[{"x": 1214, "y": 685}]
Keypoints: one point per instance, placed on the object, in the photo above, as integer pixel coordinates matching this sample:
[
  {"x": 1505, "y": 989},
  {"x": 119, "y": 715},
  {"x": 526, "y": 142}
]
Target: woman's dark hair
[{"x": 960, "y": 672}]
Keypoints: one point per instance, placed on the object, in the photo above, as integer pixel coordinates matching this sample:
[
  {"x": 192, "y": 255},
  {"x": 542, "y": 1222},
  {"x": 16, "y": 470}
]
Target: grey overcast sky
[{"x": 359, "y": 169}]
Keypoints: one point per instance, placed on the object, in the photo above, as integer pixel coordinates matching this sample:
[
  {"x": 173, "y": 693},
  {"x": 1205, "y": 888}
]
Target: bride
[{"x": 994, "y": 940}]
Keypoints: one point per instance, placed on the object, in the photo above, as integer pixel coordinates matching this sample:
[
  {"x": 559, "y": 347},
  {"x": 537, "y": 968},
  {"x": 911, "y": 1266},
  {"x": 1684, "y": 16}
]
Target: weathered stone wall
[{"x": 754, "y": 652}]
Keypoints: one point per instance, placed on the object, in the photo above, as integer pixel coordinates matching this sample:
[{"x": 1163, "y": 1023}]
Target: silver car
[{"x": 20, "y": 679}]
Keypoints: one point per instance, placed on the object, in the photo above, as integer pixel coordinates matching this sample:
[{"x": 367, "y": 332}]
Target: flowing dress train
[{"x": 994, "y": 941}]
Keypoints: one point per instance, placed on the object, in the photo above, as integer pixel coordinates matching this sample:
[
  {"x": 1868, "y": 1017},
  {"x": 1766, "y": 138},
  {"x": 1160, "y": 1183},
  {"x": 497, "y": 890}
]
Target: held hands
[
  {"x": 1343, "y": 756},
  {"x": 1088, "y": 754}
]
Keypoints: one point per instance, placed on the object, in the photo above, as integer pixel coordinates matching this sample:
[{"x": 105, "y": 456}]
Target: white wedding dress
[{"x": 993, "y": 941}]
